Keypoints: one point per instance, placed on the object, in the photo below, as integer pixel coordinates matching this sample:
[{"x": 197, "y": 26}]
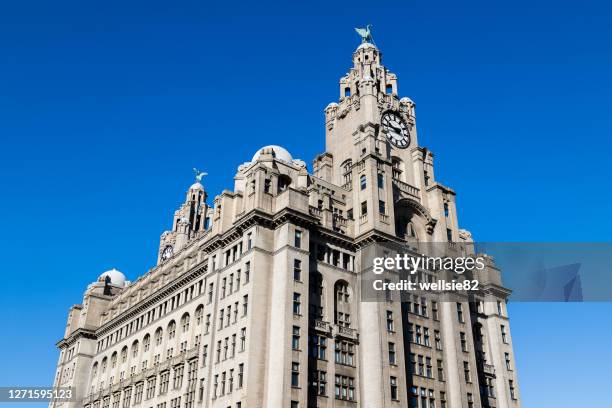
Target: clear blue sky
[{"x": 106, "y": 106}]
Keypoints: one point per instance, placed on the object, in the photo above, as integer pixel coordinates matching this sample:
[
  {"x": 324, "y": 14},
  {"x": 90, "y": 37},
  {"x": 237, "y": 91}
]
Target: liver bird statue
[
  {"x": 365, "y": 34},
  {"x": 199, "y": 174}
]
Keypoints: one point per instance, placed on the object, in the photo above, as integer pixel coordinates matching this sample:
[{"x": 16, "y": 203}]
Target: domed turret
[
  {"x": 117, "y": 278},
  {"x": 277, "y": 151}
]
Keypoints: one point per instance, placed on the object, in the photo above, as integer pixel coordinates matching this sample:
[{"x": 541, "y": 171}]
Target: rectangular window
[
  {"x": 295, "y": 338},
  {"x": 393, "y": 384},
  {"x": 390, "y": 326},
  {"x": 446, "y": 209},
  {"x": 297, "y": 270},
  {"x": 463, "y": 340},
  {"x": 389, "y": 90},
  {"x": 507, "y": 358},
  {"x": 381, "y": 180},
  {"x": 344, "y": 388},
  {"x": 363, "y": 182},
  {"x": 240, "y": 374},
  {"x": 364, "y": 208},
  {"x": 318, "y": 346},
  {"x": 297, "y": 303},
  {"x": 449, "y": 235},
  {"x": 381, "y": 207},
  {"x": 470, "y": 400},
  {"x": 460, "y": 317},
  {"x": 298, "y": 239},
  {"x": 503, "y": 334},
  {"x": 392, "y": 353},
  {"x": 440, "y": 370},
  {"x": 434, "y": 310},
  {"x": 295, "y": 374},
  {"x": 466, "y": 372},
  {"x": 512, "y": 390}
]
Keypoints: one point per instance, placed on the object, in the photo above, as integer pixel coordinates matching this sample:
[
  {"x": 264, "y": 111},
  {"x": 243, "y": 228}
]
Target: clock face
[
  {"x": 396, "y": 129},
  {"x": 167, "y": 253}
]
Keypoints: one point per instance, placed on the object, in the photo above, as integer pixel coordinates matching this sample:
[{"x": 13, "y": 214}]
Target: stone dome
[
  {"x": 197, "y": 186},
  {"x": 366, "y": 45},
  {"x": 279, "y": 152},
  {"x": 117, "y": 277}
]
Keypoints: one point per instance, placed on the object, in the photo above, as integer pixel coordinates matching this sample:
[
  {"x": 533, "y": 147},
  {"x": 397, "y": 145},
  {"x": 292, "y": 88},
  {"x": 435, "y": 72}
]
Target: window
[
  {"x": 390, "y": 326},
  {"x": 318, "y": 382},
  {"x": 151, "y": 387},
  {"x": 295, "y": 374},
  {"x": 344, "y": 388},
  {"x": 381, "y": 180},
  {"x": 446, "y": 209},
  {"x": 434, "y": 310},
  {"x": 512, "y": 391},
  {"x": 389, "y": 90},
  {"x": 363, "y": 182},
  {"x": 243, "y": 339},
  {"x": 344, "y": 352},
  {"x": 297, "y": 304},
  {"x": 381, "y": 207},
  {"x": 247, "y": 272},
  {"x": 466, "y": 372},
  {"x": 463, "y": 340},
  {"x": 426, "y": 336},
  {"x": 249, "y": 241},
  {"x": 240, "y": 374},
  {"x": 503, "y": 334},
  {"x": 440, "y": 370},
  {"x": 364, "y": 208},
  {"x": 342, "y": 292},
  {"x": 470, "y": 400},
  {"x": 295, "y": 404},
  {"x": 347, "y": 92},
  {"x": 295, "y": 338},
  {"x": 460, "y": 313},
  {"x": 489, "y": 387},
  {"x": 245, "y": 305},
  {"x": 449, "y": 235},
  {"x": 185, "y": 322},
  {"x": 199, "y": 313},
  {"x": 428, "y": 369},
  {"x": 298, "y": 239},
  {"x": 318, "y": 346},
  {"x": 393, "y": 383},
  {"x": 392, "y": 354},
  {"x": 178, "y": 376},
  {"x": 297, "y": 270},
  {"x": 507, "y": 358}
]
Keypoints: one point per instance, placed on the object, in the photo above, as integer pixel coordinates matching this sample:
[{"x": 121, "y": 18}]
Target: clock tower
[{"x": 372, "y": 150}]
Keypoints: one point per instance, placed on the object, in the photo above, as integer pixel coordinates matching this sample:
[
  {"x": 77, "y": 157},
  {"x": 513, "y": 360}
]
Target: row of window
[
  {"x": 169, "y": 305},
  {"x": 224, "y": 383},
  {"x": 226, "y": 348}
]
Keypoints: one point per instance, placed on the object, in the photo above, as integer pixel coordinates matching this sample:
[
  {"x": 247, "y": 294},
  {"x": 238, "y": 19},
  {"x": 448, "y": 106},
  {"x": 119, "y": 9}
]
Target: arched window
[
  {"x": 103, "y": 365},
  {"x": 198, "y": 314},
  {"x": 362, "y": 182},
  {"x": 94, "y": 370},
  {"x": 284, "y": 181},
  {"x": 146, "y": 343},
  {"x": 342, "y": 292},
  {"x": 124, "y": 354},
  {"x": 347, "y": 171},
  {"x": 342, "y": 306},
  {"x": 135, "y": 348},
  {"x": 171, "y": 329},
  {"x": 114, "y": 360},
  {"x": 185, "y": 322},
  {"x": 159, "y": 335}
]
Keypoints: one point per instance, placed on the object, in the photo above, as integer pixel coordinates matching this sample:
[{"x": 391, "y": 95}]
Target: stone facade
[{"x": 255, "y": 301}]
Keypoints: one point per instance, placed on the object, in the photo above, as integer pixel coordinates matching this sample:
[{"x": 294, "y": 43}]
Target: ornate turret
[{"x": 190, "y": 220}]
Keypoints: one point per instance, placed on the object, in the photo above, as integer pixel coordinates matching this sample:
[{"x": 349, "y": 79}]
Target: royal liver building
[{"x": 255, "y": 301}]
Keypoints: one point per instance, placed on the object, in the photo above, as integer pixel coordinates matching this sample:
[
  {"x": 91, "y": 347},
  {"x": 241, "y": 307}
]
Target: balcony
[
  {"x": 322, "y": 326},
  {"x": 488, "y": 369},
  {"x": 407, "y": 189},
  {"x": 347, "y": 332},
  {"x": 314, "y": 211}
]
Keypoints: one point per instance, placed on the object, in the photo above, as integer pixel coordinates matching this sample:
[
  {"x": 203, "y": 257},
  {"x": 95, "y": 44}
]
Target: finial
[
  {"x": 199, "y": 174},
  {"x": 365, "y": 34}
]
